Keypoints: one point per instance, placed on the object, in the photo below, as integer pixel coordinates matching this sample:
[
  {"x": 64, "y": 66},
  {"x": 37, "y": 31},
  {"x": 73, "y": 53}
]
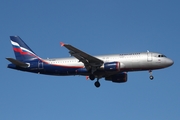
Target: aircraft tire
[
  {"x": 151, "y": 77},
  {"x": 97, "y": 84},
  {"x": 91, "y": 77}
]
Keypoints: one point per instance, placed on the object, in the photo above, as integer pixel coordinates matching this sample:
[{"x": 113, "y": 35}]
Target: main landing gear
[
  {"x": 151, "y": 76},
  {"x": 97, "y": 83},
  {"x": 91, "y": 77}
]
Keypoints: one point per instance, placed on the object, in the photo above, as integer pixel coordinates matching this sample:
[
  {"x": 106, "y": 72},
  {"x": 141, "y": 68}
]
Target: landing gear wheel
[
  {"x": 151, "y": 77},
  {"x": 97, "y": 84},
  {"x": 91, "y": 77}
]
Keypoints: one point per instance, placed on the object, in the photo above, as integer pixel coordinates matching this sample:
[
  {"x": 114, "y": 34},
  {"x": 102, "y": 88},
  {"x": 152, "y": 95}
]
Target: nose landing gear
[{"x": 151, "y": 76}]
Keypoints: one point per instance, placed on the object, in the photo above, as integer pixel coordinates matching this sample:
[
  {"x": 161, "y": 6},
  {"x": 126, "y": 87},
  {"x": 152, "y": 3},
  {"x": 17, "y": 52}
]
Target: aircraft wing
[{"x": 88, "y": 60}]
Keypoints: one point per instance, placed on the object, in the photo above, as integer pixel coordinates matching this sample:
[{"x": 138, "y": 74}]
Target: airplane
[{"x": 113, "y": 68}]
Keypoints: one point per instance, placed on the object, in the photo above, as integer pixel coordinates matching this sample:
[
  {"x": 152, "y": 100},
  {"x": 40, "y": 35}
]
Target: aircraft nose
[{"x": 169, "y": 62}]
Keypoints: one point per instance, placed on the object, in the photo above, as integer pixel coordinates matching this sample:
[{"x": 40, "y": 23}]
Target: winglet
[{"x": 62, "y": 44}]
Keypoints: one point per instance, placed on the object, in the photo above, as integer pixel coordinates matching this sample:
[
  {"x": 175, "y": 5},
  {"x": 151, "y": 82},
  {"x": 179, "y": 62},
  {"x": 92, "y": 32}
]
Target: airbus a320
[{"x": 110, "y": 67}]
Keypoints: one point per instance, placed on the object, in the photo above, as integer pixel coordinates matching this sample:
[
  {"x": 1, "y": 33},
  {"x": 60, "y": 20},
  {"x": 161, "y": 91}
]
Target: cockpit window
[
  {"x": 161, "y": 56},
  {"x": 164, "y": 56}
]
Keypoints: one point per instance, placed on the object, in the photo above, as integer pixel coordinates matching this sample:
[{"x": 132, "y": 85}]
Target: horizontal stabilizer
[{"x": 18, "y": 63}]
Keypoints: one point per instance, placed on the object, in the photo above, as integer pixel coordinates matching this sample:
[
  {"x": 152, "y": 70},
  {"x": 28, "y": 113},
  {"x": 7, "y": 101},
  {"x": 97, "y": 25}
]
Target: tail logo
[{"x": 21, "y": 50}]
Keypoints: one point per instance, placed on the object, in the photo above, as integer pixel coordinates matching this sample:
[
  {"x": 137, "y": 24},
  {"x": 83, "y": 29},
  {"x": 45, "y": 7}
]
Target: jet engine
[
  {"x": 112, "y": 66},
  {"x": 118, "y": 78}
]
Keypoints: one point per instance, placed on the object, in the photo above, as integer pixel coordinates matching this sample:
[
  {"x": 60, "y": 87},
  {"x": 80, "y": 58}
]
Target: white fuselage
[{"x": 128, "y": 62}]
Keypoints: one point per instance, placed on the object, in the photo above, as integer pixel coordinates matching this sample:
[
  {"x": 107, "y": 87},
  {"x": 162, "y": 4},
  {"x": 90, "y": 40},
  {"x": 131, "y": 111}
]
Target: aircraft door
[
  {"x": 40, "y": 64},
  {"x": 149, "y": 56}
]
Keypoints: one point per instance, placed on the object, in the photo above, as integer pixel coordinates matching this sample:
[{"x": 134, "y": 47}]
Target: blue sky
[{"x": 96, "y": 27}]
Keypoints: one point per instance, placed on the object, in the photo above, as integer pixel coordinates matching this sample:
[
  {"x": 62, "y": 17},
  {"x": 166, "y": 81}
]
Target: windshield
[{"x": 161, "y": 56}]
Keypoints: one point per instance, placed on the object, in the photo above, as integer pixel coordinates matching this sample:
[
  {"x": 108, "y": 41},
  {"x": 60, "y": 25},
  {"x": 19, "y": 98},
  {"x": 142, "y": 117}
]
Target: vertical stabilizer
[{"x": 21, "y": 49}]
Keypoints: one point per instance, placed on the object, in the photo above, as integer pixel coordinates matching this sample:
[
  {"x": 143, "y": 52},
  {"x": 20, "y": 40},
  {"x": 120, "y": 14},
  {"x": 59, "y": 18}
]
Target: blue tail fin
[{"x": 22, "y": 51}]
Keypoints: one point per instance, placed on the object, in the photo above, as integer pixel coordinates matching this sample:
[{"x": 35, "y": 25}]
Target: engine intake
[
  {"x": 112, "y": 66},
  {"x": 118, "y": 78}
]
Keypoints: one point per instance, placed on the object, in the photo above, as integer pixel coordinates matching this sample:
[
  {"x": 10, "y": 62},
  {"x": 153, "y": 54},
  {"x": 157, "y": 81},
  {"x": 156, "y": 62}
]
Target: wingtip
[{"x": 62, "y": 44}]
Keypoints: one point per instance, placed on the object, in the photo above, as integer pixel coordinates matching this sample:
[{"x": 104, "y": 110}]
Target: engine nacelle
[
  {"x": 118, "y": 78},
  {"x": 112, "y": 66}
]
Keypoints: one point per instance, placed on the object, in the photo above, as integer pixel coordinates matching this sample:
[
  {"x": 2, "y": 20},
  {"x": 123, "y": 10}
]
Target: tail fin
[{"x": 22, "y": 51}]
